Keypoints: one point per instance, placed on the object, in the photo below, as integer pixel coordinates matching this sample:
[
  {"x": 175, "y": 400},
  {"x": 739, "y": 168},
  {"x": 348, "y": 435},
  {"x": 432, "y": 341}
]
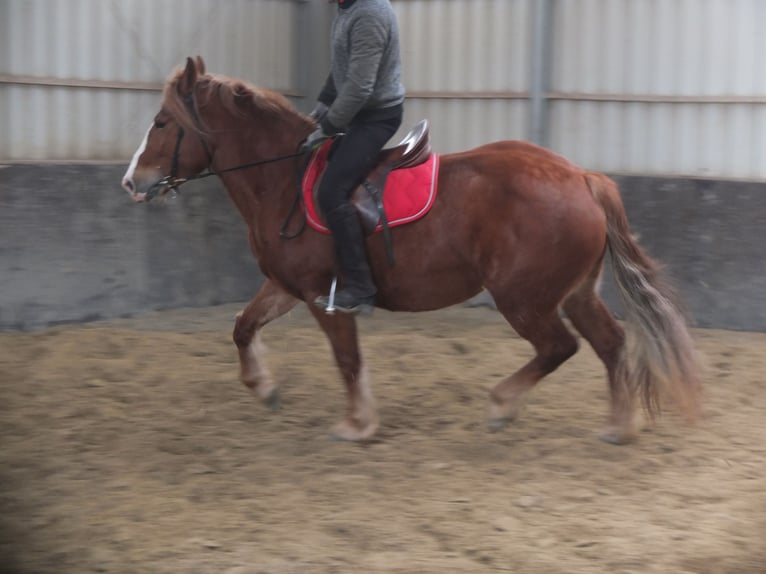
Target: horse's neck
[
  {"x": 262, "y": 193},
  {"x": 258, "y": 192}
]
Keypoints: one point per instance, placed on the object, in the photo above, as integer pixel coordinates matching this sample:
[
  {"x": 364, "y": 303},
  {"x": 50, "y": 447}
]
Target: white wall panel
[
  {"x": 458, "y": 125},
  {"x": 664, "y": 47},
  {"x": 637, "y": 86},
  {"x": 660, "y": 86},
  {"x": 60, "y": 53},
  {"x": 707, "y": 140},
  {"x": 453, "y": 45},
  {"x": 465, "y": 68}
]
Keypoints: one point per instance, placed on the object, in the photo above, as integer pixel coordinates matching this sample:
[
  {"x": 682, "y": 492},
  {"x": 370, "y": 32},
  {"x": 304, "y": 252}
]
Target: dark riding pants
[{"x": 352, "y": 160}]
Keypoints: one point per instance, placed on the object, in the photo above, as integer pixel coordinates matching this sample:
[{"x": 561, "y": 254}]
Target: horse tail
[{"x": 659, "y": 358}]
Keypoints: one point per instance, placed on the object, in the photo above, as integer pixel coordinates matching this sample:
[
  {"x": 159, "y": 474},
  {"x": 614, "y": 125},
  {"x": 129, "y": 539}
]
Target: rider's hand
[{"x": 315, "y": 139}]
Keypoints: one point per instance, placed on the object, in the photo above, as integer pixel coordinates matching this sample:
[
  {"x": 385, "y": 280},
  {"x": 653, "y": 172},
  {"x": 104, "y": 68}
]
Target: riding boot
[{"x": 357, "y": 292}]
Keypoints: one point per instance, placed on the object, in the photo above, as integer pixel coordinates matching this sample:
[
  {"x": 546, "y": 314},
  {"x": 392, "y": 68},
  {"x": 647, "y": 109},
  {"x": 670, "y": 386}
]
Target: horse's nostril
[{"x": 127, "y": 184}]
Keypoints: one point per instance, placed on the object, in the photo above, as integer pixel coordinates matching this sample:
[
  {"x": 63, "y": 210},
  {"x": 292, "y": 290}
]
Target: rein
[{"x": 172, "y": 181}]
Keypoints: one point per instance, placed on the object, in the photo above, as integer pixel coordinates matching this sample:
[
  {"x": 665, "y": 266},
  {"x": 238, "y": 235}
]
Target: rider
[{"x": 363, "y": 97}]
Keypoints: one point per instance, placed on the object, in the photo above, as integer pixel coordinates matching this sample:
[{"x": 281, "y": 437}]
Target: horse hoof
[
  {"x": 615, "y": 437},
  {"x": 498, "y": 424},
  {"x": 500, "y": 416},
  {"x": 274, "y": 400},
  {"x": 349, "y": 432}
]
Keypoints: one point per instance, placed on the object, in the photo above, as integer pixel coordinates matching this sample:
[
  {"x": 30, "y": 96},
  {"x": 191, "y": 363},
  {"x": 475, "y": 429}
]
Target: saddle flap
[
  {"x": 367, "y": 198},
  {"x": 367, "y": 207},
  {"x": 409, "y": 193}
]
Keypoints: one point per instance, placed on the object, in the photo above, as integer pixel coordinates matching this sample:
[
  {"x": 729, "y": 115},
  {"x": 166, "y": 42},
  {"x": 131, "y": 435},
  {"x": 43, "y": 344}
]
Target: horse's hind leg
[
  {"x": 361, "y": 420},
  {"x": 270, "y": 303},
  {"x": 593, "y": 320},
  {"x": 553, "y": 344}
]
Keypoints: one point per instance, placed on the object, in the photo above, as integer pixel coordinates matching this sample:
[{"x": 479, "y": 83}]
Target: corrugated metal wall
[
  {"x": 661, "y": 86},
  {"x": 466, "y": 68},
  {"x": 79, "y": 79},
  {"x": 634, "y": 86}
]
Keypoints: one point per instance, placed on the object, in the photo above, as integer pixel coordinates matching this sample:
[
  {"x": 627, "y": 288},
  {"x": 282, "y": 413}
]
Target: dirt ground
[{"x": 129, "y": 446}]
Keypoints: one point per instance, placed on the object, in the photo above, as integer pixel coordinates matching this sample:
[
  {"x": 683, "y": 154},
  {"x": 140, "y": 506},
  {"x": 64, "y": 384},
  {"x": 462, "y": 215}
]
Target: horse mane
[{"x": 236, "y": 96}]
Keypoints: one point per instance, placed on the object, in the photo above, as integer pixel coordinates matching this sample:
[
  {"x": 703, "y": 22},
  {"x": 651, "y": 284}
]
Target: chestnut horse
[{"x": 511, "y": 217}]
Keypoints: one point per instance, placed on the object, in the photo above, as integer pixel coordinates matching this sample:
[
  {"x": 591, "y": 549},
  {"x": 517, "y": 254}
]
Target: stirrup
[
  {"x": 330, "y": 307},
  {"x": 362, "y": 308},
  {"x": 328, "y": 303}
]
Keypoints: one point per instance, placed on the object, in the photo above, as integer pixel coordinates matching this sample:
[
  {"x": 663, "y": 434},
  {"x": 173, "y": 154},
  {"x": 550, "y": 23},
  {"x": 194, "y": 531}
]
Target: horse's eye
[{"x": 159, "y": 124}]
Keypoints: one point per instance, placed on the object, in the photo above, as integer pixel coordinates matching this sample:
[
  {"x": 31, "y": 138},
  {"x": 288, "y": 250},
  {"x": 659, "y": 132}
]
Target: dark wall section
[
  {"x": 711, "y": 236},
  {"x": 73, "y": 247}
]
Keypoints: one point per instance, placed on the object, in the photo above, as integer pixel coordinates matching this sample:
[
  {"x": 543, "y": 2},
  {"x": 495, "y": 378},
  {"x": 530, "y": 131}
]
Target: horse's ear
[
  {"x": 200, "y": 65},
  {"x": 188, "y": 78}
]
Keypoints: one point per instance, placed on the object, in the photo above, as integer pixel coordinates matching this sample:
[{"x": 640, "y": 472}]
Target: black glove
[{"x": 315, "y": 139}]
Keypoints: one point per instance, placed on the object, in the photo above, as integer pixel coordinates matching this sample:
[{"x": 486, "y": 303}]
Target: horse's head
[{"x": 174, "y": 146}]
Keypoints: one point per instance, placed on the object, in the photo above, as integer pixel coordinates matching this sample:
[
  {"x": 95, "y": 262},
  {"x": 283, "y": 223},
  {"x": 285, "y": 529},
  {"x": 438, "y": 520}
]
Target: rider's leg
[{"x": 351, "y": 161}]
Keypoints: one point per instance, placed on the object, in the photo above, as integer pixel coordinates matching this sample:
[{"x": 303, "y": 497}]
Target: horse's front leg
[
  {"x": 270, "y": 303},
  {"x": 361, "y": 419}
]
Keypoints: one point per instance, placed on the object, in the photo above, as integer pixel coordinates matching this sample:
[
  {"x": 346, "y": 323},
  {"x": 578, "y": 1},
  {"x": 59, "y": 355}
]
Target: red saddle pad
[{"x": 409, "y": 193}]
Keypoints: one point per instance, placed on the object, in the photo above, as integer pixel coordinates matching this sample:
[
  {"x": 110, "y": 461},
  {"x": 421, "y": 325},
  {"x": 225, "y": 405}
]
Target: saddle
[{"x": 367, "y": 198}]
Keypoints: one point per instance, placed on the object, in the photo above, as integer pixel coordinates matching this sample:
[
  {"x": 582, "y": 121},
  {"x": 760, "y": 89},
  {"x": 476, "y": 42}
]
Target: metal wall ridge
[
  {"x": 655, "y": 98},
  {"x": 19, "y": 80},
  {"x": 467, "y": 95},
  {"x": 16, "y": 80}
]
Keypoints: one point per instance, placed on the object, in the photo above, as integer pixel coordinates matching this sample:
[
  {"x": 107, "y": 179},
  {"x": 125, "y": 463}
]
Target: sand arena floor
[{"x": 129, "y": 446}]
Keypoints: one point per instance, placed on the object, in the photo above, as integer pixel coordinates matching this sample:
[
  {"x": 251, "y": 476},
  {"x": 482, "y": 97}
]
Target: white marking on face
[{"x": 127, "y": 179}]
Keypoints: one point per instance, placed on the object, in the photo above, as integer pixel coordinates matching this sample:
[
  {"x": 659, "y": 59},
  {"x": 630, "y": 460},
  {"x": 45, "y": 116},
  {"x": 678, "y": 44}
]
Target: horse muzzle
[{"x": 146, "y": 190}]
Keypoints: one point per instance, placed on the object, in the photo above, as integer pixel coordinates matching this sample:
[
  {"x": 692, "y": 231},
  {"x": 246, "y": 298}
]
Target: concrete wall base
[{"x": 74, "y": 248}]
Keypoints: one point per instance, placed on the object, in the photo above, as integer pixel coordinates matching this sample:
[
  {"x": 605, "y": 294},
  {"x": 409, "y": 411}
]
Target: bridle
[{"x": 172, "y": 181}]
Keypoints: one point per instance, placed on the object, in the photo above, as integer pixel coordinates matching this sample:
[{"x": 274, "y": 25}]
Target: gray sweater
[{"x": 365, "y": 72}]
